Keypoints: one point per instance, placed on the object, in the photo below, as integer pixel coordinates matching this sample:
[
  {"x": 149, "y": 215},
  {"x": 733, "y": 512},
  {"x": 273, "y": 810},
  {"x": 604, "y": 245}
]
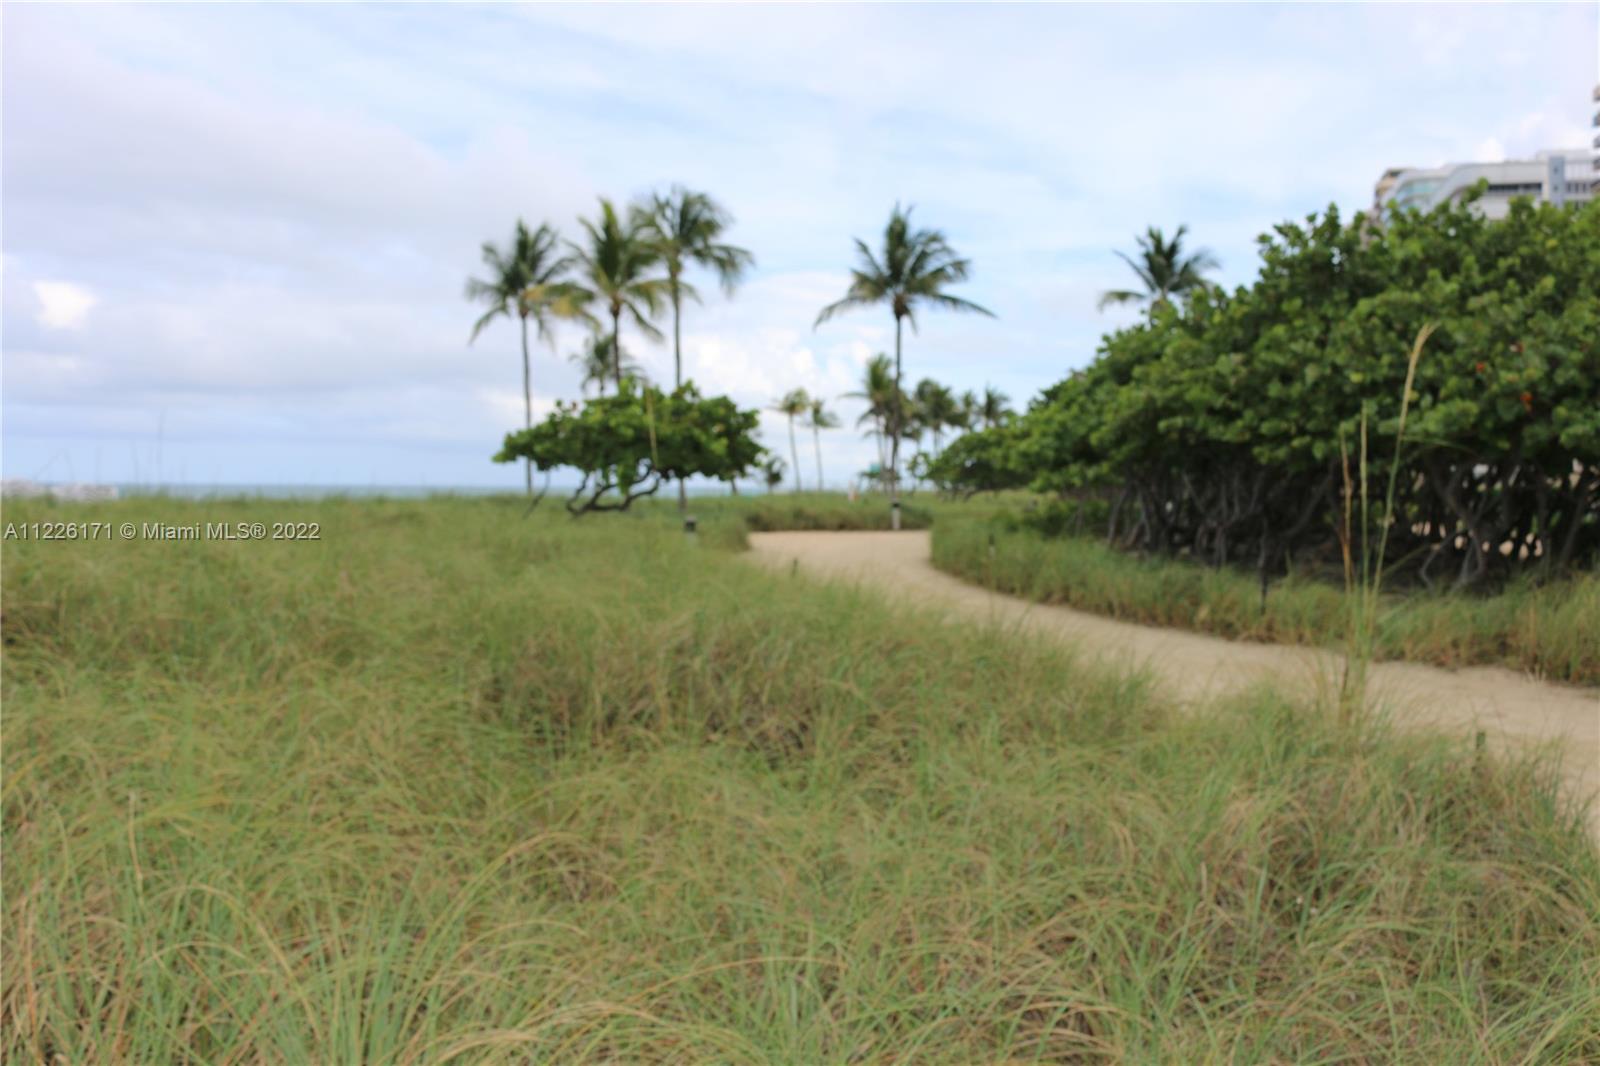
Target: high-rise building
[
  {"x": 1594, "y": 166},
  {"x": 1557, "y": 176}
]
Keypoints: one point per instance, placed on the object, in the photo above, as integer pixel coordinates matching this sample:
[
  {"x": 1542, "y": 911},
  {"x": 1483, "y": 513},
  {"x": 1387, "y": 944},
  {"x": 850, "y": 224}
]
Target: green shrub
[
  {"x": 1227, "y": 429},
  {"x": 1552, "y": 630}
]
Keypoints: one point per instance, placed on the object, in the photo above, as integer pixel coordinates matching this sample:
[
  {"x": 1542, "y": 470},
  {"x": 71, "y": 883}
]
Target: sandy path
[{"x": 1191, "y": 666}]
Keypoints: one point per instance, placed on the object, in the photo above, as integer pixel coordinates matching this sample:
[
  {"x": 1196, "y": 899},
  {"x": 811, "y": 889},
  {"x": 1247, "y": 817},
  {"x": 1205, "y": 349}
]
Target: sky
[{"x": 235, "y": 237}]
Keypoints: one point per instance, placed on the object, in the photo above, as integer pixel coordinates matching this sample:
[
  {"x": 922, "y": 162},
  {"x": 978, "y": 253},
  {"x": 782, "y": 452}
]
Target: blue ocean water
[{"x": 321, "y": 492}]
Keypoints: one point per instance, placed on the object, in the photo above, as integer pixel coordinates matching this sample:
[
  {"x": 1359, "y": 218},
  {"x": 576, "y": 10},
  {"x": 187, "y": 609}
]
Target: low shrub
[{"x": 1550, "y": 630}]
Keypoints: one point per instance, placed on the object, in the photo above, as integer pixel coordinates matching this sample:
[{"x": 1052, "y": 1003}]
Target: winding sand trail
[{"x": 1191, "y": 667}]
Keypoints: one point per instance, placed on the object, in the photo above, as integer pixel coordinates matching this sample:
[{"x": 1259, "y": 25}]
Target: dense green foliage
[
  {"x": 984, "y": 461},
  {"x": 1551, "y": 629},
  {"x": 1228, "y": 428},
  {"x": 627, "y": 445},
  {"x": 447, "y": 786}
]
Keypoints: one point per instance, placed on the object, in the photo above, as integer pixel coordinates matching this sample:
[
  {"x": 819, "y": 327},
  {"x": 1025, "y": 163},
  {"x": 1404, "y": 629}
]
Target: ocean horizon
[{"x": 312, "y": 491}]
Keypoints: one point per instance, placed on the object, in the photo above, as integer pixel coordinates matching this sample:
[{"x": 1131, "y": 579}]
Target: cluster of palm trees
[
  {"x": 629, "y": 265},
  {"x": 632, "y": 265},
  {"x": 928, "y": 411},
  {"x": 913, "y": 268},
  {"x": 814, "y": 415}
]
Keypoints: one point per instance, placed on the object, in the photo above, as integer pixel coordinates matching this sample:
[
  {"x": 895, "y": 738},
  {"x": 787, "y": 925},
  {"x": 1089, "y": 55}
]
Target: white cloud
[
  {"x": 506, "y": 407},
  {"x": 1489, "y": 150},
  {"x": 1541, "y": 129},
  {"x": 277, "y": 245},
  {"x": 63, "y": 305}
]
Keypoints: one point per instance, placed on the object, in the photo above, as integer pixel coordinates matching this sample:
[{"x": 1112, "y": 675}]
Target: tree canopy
[
  {"x": 1225, "y": 427},
  {"x": 627, "y": 445},
  {"x": 615, "y": 264}
]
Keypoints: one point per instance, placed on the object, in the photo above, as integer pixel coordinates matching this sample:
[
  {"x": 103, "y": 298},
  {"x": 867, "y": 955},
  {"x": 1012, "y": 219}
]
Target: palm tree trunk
[
  {"x": 816, "y": 434},
  {"x": 527, "y": 402},
  {"x": 794, "y": 453},
  {"x": 677, "y": 381},
  {"x": 677, "y": 340},
  {"x": 894, "y": 438},
  {"x": 616, "y": 345},
  {"x": 883, "y": 455}
]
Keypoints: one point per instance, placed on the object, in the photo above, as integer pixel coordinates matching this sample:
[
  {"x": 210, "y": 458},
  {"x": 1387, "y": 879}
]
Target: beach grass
[
  {"x": 454, "y": 785},
  {"x": 1551, "y": 631},
  {"x": 808, "y": 511}
]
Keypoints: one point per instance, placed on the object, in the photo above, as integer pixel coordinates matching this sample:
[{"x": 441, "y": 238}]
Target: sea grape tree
[
  {"x": 1225, "y": 428},
  {"x": 625, "y": 446}
]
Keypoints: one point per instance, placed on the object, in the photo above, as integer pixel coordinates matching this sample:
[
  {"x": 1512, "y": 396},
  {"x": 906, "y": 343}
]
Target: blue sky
[{"x": 235, "y": 236}]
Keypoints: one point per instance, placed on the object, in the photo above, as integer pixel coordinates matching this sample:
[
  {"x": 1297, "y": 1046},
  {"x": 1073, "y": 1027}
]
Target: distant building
[
  {"x": 1594, "y": 180},
  {"x": 1561, "y": 176}
]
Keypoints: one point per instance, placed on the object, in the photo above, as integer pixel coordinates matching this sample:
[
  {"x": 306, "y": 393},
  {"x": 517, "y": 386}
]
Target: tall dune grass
[
  {"x": 1551, "y": 631},
  {"x": 453, "y": 786}
]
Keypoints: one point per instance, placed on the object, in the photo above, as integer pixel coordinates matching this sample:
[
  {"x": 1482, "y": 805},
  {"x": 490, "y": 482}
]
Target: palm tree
[
  {"x": 1164, "y": 271},
  {"x": 614, "y": 265},
  {"x": 819, "y": 418},
  {"x": 877, "y": 389},
  {"x": 772, "y": 472},
  {"x": 914, "y": 267},
  {"x": 795, "y": 403},
  {"x": 684, "y": 227},
  {"x": 967, "y": 411},
  {"x": 596, "y": 362},
  {"x": 937, "y": 409},
  {"x": 992, "y": 409},
  {"x": 524, "y": 279}
]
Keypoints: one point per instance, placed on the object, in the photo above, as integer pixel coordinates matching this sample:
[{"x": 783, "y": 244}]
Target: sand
[{"x": 1510, "y": 708}]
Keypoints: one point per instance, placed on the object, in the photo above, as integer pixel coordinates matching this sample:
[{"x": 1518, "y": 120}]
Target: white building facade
[
  {"x": 1594, "y": 181},
  {"x": 1560, "y": 176}
]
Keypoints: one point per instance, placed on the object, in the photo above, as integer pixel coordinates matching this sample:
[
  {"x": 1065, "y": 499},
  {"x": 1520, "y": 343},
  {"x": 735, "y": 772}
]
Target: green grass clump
[
  {"x": 1552, "y": 631},
  {"x": 452, "y": 785}
]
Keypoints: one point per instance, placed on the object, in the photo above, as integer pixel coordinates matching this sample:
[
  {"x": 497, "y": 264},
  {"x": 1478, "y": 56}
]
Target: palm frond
[
  {"x": 914, "y": 265},
  {"x": 956, "y": 303},
  {"x": 487, "y": 317},
  {"x": 1145, "y": 271},
  {"x": 1163, "y": 269},
  {"x": 840, "y": 306},
  {"x": 1120, "y": 296}
]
